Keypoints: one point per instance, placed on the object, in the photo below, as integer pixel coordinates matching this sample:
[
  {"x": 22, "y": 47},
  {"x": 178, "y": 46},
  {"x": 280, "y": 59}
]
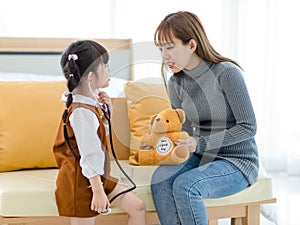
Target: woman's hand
[
  {"x": 190, "y": 143},
  {"x": 145, "y": 146}
]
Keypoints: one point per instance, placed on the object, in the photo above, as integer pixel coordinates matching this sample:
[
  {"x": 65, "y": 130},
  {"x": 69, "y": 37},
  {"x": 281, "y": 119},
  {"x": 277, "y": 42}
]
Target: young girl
[
  {"x": 220, "y": 120},
  {"x": 84, "y": 185}
]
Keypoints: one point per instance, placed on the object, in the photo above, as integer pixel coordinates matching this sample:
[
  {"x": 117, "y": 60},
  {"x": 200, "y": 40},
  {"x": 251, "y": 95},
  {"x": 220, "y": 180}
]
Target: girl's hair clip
[
  {"x": 72, "y": 56},
  {"x": 71, "y": 75}
]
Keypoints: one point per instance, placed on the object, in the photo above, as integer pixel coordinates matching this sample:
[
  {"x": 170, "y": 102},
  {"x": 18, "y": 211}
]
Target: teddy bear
[{"x": 165, "y": 129}]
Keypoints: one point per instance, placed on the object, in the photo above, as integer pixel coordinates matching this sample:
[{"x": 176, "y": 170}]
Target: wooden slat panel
[
  {"x": 113, "y": 219},
  {"x": 253, "y": 215},
  {"x": 54, "y": 44},
  {"x": 213, "y": 222},
  {"x": 241, "y": 214},
  {"x": 49, "y": 46},
  {"x": 232, "y": 211}
]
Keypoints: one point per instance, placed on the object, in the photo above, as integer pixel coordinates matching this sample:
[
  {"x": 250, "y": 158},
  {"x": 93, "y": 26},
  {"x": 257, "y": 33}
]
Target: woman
[{"x": 220, "y": 121}]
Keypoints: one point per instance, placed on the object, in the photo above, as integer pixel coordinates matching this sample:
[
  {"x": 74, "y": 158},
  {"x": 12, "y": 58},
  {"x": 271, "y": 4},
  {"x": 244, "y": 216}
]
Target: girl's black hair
[
  {"x": 80, "y": 58},
  {"x": 89, "y": 55}
]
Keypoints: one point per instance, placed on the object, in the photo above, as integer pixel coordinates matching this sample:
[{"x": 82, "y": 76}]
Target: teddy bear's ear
[
  {"x": 181, "y": 115},
  {"x": 152, "y": 119}
]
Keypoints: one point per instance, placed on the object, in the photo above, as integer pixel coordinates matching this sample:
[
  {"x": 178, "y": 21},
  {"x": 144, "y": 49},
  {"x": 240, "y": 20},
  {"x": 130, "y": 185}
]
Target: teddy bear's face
[{"x": 166, "y": 121}]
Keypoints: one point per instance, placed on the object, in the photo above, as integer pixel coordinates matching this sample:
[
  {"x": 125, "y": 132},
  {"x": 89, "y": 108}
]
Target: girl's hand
[
  {"x": 100, "y": 202},
  {"x": 105, "y": 99},
  {"x": 190, "y": 143}
]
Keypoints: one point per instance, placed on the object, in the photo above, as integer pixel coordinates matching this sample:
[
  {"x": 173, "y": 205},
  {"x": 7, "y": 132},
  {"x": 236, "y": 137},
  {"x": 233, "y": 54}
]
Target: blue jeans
[{"x": 178, "y": 191}]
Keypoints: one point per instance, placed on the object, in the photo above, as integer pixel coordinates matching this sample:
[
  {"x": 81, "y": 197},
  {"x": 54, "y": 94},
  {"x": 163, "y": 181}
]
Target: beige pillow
[
  {"x": 143, "y": 101},
  {"x": 29, "y": 118}
]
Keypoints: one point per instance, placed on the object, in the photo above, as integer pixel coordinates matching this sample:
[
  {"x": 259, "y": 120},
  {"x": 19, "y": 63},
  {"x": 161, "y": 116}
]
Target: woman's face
[{"x": 175, "y": 55}]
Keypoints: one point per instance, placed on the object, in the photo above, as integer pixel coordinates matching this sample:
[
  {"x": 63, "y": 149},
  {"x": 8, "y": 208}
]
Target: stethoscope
[{"x": 107, "y": 115}]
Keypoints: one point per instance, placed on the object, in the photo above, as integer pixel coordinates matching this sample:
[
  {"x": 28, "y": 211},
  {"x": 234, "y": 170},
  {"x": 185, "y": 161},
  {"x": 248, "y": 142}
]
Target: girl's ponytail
[{"x": 72, "y": 74}]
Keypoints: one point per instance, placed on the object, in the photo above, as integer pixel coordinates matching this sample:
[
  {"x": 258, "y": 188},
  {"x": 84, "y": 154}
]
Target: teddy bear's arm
[{"x": 179, "y": 135}]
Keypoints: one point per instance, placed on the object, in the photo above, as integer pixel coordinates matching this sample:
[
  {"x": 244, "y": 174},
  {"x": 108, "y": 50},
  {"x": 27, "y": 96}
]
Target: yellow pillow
[
  {"x": 143, "y": 101},
  {"x": 29, "y": 117}
]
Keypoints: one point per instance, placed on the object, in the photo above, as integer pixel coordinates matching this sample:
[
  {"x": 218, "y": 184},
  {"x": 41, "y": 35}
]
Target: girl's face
[
  {"x": 175, "y": 55},
  {"x": 103, "y": 76}
]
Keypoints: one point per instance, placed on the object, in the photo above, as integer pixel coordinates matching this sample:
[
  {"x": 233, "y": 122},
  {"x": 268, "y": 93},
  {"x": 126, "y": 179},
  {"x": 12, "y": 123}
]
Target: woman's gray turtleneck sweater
[{"x": 219, "y": 114}]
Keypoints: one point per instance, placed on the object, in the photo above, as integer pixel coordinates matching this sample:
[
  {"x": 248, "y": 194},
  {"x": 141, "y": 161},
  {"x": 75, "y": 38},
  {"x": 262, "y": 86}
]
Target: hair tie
[
  {"x": 72, "y": 56},
  {"x": 65, "y": 95},
  {"x": 70, "y": 75}
]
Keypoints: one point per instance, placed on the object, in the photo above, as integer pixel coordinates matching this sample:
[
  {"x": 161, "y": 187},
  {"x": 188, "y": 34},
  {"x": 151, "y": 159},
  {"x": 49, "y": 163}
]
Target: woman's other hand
[{"x": 190, "y": 143}]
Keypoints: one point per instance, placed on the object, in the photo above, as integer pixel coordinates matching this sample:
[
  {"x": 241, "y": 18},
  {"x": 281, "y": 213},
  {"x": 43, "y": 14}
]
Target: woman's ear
[{"x": 192, "y": 45}]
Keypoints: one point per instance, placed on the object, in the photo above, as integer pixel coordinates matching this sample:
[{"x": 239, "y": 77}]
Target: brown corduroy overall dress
[{"x": 73, "y": 197}]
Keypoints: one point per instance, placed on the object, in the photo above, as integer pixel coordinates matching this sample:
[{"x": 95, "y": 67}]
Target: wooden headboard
[{"x": 42, "y": 55}]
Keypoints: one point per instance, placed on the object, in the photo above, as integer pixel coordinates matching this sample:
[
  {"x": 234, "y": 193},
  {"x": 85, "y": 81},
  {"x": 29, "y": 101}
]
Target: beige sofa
[{"x": 29, "y": 116}]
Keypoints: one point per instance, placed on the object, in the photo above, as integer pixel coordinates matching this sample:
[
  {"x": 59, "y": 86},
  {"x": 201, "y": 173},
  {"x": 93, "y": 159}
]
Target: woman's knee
[
  {"x": 180, "y": 186},
  {"x": 159, "y": 175},
  {"x": 183, "y": 188},
  {"x": 160, "y": 181}
]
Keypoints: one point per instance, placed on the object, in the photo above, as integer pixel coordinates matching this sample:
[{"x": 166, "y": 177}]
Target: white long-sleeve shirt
[{"x": 85, "y": 124}]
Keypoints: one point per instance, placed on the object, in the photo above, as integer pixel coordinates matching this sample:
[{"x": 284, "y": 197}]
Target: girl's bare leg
[
  {"x": 131, "y": 204},
  {"x": 82, "y": 221}
]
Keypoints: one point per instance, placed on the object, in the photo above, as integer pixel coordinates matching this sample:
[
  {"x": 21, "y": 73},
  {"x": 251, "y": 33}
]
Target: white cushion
[
  {"x": 28, "y": 193},
  {"x": 31, "y": 192}
]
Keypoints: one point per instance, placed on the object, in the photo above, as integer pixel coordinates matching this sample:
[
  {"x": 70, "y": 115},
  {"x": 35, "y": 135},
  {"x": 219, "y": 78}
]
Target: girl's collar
[{"x": 84, "y": 99}]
